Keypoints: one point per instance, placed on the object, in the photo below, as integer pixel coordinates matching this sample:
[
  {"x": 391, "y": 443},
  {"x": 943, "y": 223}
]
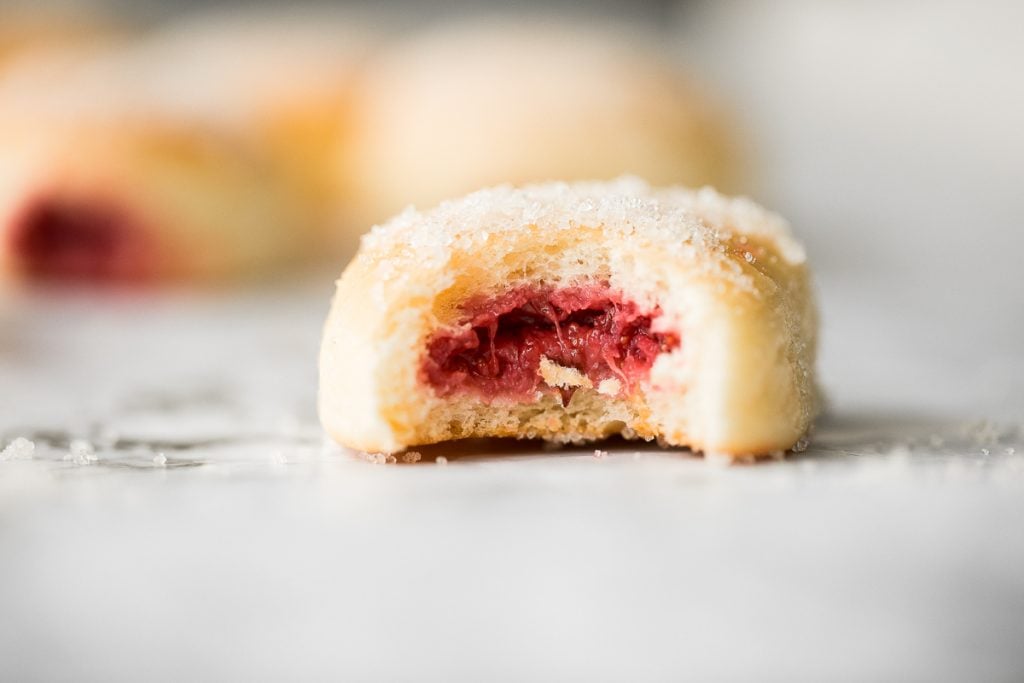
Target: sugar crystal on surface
[
  {"x": 81, "y": 452},
  {"x": 19, "y": 449}
]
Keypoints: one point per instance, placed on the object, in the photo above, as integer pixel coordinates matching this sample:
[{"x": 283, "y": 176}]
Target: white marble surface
[
  {"x": 203, "y": 530},
  {"x": 210, "y": 533}
]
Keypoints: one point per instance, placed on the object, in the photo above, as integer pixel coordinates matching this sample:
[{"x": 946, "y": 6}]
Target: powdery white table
[{"x": 178, "y": 515}]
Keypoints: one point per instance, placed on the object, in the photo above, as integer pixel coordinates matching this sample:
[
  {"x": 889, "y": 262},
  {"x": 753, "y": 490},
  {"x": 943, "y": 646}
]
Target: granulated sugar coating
[
  {"x": 702, "y": 220},
  {"x": 81, "y": 452}
]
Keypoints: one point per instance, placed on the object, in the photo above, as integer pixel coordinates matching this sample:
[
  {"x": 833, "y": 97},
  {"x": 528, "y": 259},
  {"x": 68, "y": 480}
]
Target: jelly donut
[
  {"x": 573, "y": 312},
  {"x": 480, "y": 103},
  {"x": 282, "y": 76},
  {"x": 105, "y": 177}
]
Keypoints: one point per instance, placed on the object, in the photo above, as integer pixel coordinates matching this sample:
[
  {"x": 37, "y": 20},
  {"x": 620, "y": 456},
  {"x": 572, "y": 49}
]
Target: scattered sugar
[
  {"x": 441, "y": 460},
  {"x": 160, "y": 460},
  {"x": 81, "y": 452},
  {"x": 19, "y": 449},
  {"x": 599, "y": 453},
  {"x": 411, "y": 456},
  {"x": 801, "y": 445},
  {"x": 684, "y": 221}
]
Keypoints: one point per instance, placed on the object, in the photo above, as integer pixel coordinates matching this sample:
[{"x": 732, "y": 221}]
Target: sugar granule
[
  {"x": 81, "y": 452},
  {"x": 19, "y": 449}
]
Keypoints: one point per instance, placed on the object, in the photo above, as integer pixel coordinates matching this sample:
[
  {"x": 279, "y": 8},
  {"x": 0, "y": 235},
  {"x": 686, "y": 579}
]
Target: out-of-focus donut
[
  {"x": 103, "y": 177},
  {"x": 282, "y": 76},
  {"x": 481, "y": 102},
  {"x": 202, "y": 151}
]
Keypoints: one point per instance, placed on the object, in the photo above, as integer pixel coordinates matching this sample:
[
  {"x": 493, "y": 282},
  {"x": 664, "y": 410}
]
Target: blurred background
[
  {"x": 886, "y": 132},
  {"x": 181, "y": 182}
]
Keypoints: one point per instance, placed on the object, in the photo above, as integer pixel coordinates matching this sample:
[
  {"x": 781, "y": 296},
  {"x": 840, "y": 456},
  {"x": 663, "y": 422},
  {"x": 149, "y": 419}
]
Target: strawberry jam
[
  {"x": 498, "y": 346},
  {"x": 63, "y": 240}
]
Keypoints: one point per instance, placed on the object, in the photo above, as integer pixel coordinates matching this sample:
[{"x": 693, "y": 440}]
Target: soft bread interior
[{"x": 560, "y": 261}]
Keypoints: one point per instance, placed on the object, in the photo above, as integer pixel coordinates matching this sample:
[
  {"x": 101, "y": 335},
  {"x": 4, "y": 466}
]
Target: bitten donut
[
  {"x": 484, "y": 102},
  {"x": 573, "y": 312}
]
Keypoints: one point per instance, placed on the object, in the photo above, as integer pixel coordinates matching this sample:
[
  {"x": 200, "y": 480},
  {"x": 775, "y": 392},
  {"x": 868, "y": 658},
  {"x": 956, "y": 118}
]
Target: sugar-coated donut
[
  {"x": 101, "y": 179},
  {"x": 285, "y": 76},
  {"x": 483, "y": 102},
  {"x": 572, "y": 312},
  {"x": 195, "y": 153},
  {"x": 139, "y": 203}
]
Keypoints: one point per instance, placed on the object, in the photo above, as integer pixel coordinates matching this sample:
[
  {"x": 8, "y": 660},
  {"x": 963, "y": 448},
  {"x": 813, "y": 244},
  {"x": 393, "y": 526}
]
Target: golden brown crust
[{"x": 726, "y": 275}]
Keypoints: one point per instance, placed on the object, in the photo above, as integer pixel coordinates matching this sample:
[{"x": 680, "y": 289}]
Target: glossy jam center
[
  {"x": 64, "y": 240},
  {"x": 497, "y": 351}
]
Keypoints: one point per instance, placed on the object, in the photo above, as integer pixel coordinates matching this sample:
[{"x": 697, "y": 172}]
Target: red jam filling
[
  {"x": 498, "y": 350},
  {"x": 64, "y": 240}
]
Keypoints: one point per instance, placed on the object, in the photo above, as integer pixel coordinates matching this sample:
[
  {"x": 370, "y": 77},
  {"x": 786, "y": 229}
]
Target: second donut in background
[
  {"x": 197, "y": 151},
  {"x": 480, "y": 102},
  {"x": 229, "y": 144}
]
